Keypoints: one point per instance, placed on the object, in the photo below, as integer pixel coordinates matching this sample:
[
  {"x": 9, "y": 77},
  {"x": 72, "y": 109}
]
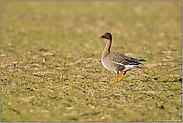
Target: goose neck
[{"x": 107, "y": 48}]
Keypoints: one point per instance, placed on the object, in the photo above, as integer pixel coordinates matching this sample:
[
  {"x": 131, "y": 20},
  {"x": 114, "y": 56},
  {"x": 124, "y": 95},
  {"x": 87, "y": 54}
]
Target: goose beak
[{"x": 102, "y": 36}]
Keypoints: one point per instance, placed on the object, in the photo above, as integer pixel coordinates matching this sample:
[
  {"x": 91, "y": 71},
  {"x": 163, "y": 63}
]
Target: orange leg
[
  {"x": 122, "y": 76},
  {"x": 117, "y": 78}
]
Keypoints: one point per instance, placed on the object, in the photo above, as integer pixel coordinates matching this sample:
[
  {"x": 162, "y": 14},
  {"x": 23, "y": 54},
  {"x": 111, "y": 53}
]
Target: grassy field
[{"x": 51, "y": 69}]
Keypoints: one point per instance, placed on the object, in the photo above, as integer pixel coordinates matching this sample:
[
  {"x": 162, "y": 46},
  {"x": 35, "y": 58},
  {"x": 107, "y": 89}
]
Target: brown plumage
[{"x": 117, "y": 62}]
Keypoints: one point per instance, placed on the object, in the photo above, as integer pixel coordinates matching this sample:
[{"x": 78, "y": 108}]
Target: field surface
[{"x": 51, "y": 69}]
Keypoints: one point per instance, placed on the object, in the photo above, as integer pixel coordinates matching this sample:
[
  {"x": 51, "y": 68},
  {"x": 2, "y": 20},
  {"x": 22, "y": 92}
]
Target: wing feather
[{"x": 124, "y": 60}]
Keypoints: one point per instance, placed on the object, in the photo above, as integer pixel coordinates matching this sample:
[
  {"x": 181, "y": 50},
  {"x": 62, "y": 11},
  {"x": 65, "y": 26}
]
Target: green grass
[{"x": 51, "y": 69}]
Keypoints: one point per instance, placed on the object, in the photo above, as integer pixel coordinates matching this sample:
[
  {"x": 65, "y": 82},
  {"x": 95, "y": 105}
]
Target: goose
[{"x": 117, "y": 62}]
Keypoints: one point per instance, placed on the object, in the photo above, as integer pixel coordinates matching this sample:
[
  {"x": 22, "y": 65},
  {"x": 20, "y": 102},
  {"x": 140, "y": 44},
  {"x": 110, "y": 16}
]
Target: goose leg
[
  {"x": 117, "y": 78},
  {"x": 122, "y": 76}
]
